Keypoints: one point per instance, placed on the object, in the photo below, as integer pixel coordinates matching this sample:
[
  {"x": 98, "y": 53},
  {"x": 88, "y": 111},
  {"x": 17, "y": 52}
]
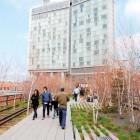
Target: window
[
  {"x": 33, "y": 47},
  {"x": 95, "y": 10},
  {"x": 53, "y": 61},
  {"x": 74, "y": 44},
  {"x": 81, "y": 63},
  {"x": 59, "y": 48},
  {"x": 39, "y": 27},
  {"x": 64, "y": 47},
  {"x": 81, "y": 22},
  {"x": 43, "y": 50},
  {"x": 103, "y": 42},
  {"x": 104, "y": 26},
  {"x": 54, "y": 37},
  {"x": 74, "y": 50},
  {"x": 54, "y": 29},
  {"x": 64, "y": 65},
  {"x": 58, "y": 44},
  {"x": 81, "y": 58},
  {"x": 104, "y": 51},
  {"x": 48, "y": 49},
  {"x": 75, "y": 21},
  {"x": 44, "y": 33},
  {"x": 54, "y": 14},
  {"x": 38, "y": 39},
  {"x": 105, "y": 36},
  {"x": 96, "y": 52},
  {"x": 96, "y": 44},
  {"x": 49, "y": 35},
  {"x": 74, "y": 24},
  {"x": 104, "y": 61},
  {"x": 32, "y": 61},
  {"x": 103, "y": 17},
  {"x": 88, "y": 20},
  {"x": 38, "y": 66},
  {"x": 66, "y": 23},
  {"x": 81, "y": 7},
  {"x": 88, "y": 48},
  {"x": 73, "y": 64},
  {"x": 64, "y": 52},
  {"x": 59, "y": 20},
  {"x": 104, "y": 7},
  {"x": 95, "y": 14},
  {"x": 95, "y": 21},
  {"x": 81, "y": 39},
  {"x": 34, "y": 28},
  {"x": 75, "y": 12},
  {"x": 59, "y": 36},
  {"x": 88, "y": 44},
  {"x": 88, "y": 30},
  {"x": 65, "y": 31},
  {"x": 53, "y": 53},
  {"x": 88, "y": 62},
  {"x": 53, "y": 49}
]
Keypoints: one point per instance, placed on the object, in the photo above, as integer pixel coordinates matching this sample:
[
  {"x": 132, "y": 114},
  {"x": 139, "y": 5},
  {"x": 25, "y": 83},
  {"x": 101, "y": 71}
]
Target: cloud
[{"x": 132, "y": 8}]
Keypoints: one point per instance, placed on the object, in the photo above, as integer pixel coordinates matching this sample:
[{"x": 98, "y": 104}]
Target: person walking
[
  {"x": 76, "y": 92},
  {"x": 95, "y": 108},
  {"x": 35, "y": 102},
  {"x": 55, "y": 107},
  {"x": 62, "y": 100},
  {"x": 46, "y": 100},
  {"x": 82, "y": 93}
]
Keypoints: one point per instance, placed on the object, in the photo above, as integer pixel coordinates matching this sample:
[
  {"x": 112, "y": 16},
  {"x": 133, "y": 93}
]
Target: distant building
[
  {"x": 71, "y": 37},
  {"x": 10, "y": 86}
]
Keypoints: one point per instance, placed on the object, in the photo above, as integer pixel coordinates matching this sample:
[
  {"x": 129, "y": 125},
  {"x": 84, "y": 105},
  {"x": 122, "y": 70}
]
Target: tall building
[
  {"x": 92, "y": 34},
  {"x": 72, "y": 36},
  {"x": 46, "y": 2},
  {"x": 49, "y": 38}
]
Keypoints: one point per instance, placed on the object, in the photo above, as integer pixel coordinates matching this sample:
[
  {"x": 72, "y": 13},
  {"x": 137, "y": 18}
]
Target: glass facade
[
  {"x": 64, "y": 36},
  {"x": 92, "y": 32},
  {"x": 49, "y": 39}
]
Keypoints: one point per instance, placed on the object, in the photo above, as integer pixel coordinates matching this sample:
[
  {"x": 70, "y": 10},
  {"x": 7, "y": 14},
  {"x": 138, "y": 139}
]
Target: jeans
[
  {"x": 44, "y": 109},
  {"x": 55, "y": 113},
  {"x": 62, "y": 116},
  {"x": 75, "y": 97},
  {"x": 35, "y": 112}
]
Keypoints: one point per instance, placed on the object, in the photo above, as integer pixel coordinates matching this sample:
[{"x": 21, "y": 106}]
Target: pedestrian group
[{"x": 58, "y": 102}]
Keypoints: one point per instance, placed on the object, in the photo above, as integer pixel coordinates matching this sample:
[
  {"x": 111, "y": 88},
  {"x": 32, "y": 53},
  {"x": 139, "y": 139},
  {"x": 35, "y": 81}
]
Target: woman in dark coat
[{"x": 35, "y": 102}]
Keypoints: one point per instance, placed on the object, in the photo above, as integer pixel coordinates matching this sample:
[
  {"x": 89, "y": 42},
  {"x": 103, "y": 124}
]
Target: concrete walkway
[{"x": 39, "y": 129}]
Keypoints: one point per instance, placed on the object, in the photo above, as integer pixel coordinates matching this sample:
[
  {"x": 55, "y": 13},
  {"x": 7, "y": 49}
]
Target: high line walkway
[{"x": 39, "y": 129}]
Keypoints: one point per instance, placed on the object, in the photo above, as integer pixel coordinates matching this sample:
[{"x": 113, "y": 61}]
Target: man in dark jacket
[
  {"x": 62, "y": 100},
  {"x": 46, "y": 100}
]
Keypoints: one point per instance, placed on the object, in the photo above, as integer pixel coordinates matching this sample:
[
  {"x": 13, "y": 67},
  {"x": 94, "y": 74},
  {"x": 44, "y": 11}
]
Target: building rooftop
[{"x": 51, "y": 7}]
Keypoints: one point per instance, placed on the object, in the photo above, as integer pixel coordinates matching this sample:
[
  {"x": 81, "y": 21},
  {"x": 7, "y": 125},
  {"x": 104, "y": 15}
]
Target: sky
[{"x": 14, "y": 22}]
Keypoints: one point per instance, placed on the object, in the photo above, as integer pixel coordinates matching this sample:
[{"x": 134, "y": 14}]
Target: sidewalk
[{"x": 39, "y": 129}]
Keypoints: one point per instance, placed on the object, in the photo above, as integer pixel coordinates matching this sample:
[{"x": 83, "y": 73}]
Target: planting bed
[{"x": 104, "y": 129}]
